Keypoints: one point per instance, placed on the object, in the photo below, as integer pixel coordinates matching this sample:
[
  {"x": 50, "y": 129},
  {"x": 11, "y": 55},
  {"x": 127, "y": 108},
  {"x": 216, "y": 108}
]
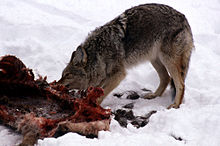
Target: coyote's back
[
  {"x": 154, "y": 28},
  {"x": 153, "y": 32}
]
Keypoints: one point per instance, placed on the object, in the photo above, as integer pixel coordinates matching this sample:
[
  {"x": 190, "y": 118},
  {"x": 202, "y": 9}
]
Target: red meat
[{"x": 38, "y": 109}]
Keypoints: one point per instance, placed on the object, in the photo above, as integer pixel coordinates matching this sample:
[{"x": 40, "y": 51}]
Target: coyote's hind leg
[{"x": 164, "y": 79}]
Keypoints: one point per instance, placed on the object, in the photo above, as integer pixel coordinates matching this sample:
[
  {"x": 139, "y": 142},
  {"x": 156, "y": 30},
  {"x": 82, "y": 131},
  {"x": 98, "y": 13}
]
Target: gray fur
[{"x": 153, "y": 32}]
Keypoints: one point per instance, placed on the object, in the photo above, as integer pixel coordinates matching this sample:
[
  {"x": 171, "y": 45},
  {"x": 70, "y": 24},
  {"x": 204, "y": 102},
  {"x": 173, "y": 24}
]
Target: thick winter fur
[{"x": 153, "y": 32}]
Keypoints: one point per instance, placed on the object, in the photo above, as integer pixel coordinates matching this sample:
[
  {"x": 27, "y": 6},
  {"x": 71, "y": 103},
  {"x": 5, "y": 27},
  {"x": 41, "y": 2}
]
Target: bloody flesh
[{"x": 39, "y": 109}]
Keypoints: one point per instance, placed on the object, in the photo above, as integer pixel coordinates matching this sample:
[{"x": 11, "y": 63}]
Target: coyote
[{"x": 153, "y": 32}]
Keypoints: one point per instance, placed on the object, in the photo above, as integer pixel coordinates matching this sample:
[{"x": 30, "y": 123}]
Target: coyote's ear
[
  {"x": 73, "y": 55},
  {"x": 79, "y": 57}
]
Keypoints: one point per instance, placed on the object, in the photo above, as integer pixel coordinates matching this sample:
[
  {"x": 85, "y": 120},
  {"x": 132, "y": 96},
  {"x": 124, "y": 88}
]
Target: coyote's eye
[{"x": 66, "y": 75}]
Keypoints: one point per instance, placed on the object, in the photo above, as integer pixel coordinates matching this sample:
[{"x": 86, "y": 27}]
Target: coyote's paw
[
  {"x": 173, "y": 106},
  {"x": 150, "y": 96}
]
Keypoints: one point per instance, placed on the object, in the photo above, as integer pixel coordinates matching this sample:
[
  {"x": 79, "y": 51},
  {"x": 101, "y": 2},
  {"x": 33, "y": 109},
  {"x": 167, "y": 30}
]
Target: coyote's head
[{"x": 74, "y": 75}]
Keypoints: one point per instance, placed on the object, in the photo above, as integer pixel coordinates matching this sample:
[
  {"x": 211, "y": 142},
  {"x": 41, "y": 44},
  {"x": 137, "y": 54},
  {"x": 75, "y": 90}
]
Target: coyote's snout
[{"x": 153, "y": 32}]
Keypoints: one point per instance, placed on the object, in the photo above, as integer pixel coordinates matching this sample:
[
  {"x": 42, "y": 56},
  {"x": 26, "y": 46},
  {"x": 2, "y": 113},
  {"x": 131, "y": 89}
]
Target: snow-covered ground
[{"x": 43, "y": 34}]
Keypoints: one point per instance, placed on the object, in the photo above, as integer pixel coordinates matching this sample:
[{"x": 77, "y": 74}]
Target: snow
[{"x": 44, "y": 33}]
